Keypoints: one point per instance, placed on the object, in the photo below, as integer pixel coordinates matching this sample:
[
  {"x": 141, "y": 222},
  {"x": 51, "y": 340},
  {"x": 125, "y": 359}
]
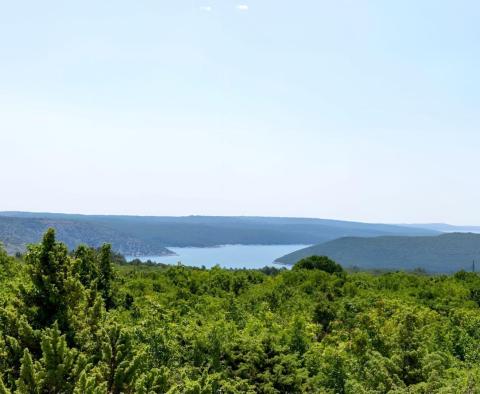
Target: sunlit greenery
[{"x": 75, "y": 322}]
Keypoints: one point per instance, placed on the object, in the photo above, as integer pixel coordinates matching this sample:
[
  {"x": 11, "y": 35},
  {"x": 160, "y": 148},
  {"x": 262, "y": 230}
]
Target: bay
[{"x": 227, "y": 256}]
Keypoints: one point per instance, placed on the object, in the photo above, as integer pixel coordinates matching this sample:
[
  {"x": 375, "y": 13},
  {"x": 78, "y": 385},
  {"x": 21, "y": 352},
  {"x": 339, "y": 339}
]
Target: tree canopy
[
  {"x": 77, "y": 322},
  {"x": 322, "y": 263}
]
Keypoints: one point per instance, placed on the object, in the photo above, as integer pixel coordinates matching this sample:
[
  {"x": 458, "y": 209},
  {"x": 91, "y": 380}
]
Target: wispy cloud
[
  {"x": 242, "y": 7},
  {"x": 206, "y": 8}
]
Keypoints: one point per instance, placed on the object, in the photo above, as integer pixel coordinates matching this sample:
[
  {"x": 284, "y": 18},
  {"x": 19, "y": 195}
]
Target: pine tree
[
  {"x": 88, "y": 385},
  {"x": 88, "y": 323},
  {"x": 16, "y": 334},
  {"x": 3, "y": 388},
  {"x": 85, "y": 266},
  {"x": 11, "y": 359},
  {"x": 154, "y": 381},
  {"x": 58, "y": 361},
  {"x": 28, "y": 383},
  {"x": 6, "y": 265},
  {"x": 120, "y": 365},
  {"x": 49, "y": 266},
  {"x": 106, "y": 275}
]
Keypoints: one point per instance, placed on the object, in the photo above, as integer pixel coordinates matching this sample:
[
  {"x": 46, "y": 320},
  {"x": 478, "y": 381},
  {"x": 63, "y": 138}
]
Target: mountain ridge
[
  {"x": 143, "y": 235},
  {"x": 445, "y": 227}
]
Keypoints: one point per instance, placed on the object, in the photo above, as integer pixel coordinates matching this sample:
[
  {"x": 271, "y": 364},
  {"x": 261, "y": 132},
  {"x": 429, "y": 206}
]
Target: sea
[{"x": 227, "y": 256}]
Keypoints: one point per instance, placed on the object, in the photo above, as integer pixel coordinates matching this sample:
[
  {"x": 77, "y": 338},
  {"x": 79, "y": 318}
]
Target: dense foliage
[
  {"x": 318, "y": 263},
  {"x": 73, "y": 322}
]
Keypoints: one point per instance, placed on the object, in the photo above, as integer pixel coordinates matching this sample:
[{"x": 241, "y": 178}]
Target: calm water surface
[{"x": 228, "y": 256}]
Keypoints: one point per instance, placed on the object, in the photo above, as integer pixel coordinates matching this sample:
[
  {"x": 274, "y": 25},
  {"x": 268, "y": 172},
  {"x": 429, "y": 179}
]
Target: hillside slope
[
  {"x": 16, "y": 233},
  {"x": 202, "y": 231},
  {"x": 443, "y": 253}
]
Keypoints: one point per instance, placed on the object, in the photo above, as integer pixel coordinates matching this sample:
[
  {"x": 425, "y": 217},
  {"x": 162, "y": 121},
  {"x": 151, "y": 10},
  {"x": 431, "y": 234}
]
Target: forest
[{"x": 85, "y": 321}]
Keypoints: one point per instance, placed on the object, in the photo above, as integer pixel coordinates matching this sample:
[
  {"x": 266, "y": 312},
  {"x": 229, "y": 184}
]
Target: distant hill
[
  {"x": 446, "y": 228},
  {"x": 443, "y": 253},
  {"x": 16, "y": 233},
  {"x": 144, "y": 235}
]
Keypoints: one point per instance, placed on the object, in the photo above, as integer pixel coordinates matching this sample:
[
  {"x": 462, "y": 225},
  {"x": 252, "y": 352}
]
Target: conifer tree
[
  {"x": 120, "y": 364},
  {"x": 57, "y": 361},
  {"x": 88, "y": 385},
  {"x": 154, "y": 381},
  {"x": 106, "y": 275},
  {"x": 5, "y": 262},
  {"x": 3, "y": 388},
  {"x": 88, "y": 325},
  {"x": 49, "y": 266},
  {"x": 28, "y": 383},
  {"x": 85, "y": 266}
]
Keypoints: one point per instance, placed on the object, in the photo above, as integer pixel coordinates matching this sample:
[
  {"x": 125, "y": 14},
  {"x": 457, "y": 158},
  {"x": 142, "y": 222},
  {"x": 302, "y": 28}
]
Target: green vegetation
[
  {"x": 446, "y": 253},
  {"x": 76, "y": 322},
  {"x": 318, "y": 263}
]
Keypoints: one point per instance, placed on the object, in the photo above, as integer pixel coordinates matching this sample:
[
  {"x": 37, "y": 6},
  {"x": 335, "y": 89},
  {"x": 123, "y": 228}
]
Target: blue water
[{"x": 228, "y": 256}]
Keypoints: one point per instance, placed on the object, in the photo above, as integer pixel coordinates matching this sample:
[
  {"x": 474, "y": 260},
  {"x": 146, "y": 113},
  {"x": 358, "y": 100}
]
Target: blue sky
[{"x": 361, "y": 110}]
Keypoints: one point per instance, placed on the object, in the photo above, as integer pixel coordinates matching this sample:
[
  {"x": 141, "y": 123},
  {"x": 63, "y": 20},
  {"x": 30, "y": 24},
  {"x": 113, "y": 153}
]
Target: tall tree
[
  {"x": 28, "y": 383},
  {"x": 106, "y": 275},
  {"x": 55, "y": 292}
]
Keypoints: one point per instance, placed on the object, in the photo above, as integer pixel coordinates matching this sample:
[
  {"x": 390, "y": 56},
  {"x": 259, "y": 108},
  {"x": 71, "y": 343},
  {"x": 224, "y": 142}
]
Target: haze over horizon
[
  {"x": 363, "y": 111},
  {"x": 441, "y": 225}
]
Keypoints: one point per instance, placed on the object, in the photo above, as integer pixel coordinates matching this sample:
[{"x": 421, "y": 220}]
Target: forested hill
[
  {"x": 148, "y": 234},
  {"x": 16, "y": 233},
  {"x": 443, "y": 253}
]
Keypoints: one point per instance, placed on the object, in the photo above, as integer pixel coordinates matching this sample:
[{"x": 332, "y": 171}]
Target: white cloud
[
  {"x": 242, "y": 7},
  {"x": 206, "y": 8}
]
